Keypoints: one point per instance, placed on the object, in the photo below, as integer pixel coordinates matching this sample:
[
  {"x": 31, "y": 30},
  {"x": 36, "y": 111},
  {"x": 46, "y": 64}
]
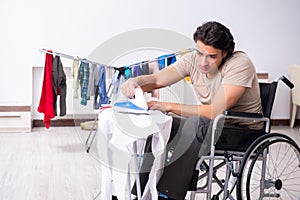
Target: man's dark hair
[{"x": 217, "y": 35}]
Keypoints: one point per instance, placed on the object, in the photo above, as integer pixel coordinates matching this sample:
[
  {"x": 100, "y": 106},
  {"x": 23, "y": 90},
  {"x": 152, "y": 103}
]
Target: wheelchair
[{"x": 256, "y": 164}]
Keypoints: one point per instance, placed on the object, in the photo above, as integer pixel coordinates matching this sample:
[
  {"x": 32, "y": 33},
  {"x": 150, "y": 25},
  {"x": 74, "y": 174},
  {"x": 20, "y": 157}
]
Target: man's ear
[{"x": 224, "y": 54}]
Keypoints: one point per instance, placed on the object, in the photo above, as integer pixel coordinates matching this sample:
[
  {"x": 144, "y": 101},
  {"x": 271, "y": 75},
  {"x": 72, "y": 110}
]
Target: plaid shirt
[{"x": 84, "y": 81}]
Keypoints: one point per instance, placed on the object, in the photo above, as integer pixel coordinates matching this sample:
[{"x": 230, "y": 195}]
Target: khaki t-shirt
[{"x": 237, "y": 70}]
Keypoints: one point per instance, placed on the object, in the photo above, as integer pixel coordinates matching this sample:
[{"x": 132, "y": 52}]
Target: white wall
[{"x": 267, "y": 30}]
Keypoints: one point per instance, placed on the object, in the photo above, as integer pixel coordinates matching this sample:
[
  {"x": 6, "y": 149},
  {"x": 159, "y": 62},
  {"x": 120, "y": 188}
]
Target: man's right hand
[{"x": 129, "y": 87}]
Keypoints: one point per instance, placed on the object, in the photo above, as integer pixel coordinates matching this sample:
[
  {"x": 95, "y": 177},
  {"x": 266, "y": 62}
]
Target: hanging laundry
[
  {"x": 153, "y": 68},
  {"x": 102, "y": 92},
  {"x": 145, "y": 68},
  {"x": 93, "y": 84},
  {"x": 127, "y": 72},
  {"x": 59, "y": 86},
  {"x": 117, "y": 80},
  {"x": 94, "y": 78},
  {"x": 161, "y": 62},
  {"x": 81, "y": 77},
  {"x": 74, "y": 71},
  {"x": 47, "y": 95},
  {"x": 84, "y": 81},
  {"x": 171, "y": 58},
  {"x": 137, "y": 71}
]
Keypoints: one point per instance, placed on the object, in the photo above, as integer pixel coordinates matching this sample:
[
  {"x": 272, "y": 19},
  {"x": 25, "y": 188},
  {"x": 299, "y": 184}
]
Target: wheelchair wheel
[{"x": 270, "y": 169}]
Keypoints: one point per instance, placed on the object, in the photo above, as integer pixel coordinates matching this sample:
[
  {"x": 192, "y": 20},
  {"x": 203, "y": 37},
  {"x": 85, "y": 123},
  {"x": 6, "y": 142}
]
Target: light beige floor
[
  {"x": 53, "y": 164},
  {"x": 47, "y": 165},
  {"x": 294, "y": 133}
]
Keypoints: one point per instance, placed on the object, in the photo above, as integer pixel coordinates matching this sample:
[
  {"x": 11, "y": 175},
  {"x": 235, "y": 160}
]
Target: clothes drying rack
[{"x": 120, "y": 70}]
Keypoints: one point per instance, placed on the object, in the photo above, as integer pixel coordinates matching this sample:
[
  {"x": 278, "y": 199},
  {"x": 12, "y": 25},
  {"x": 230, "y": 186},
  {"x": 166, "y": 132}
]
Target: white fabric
[
  {"x": 115, "y": 137},
  {"x": 139, "y": 99}
]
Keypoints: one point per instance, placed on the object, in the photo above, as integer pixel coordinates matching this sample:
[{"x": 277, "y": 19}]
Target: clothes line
[
  {"x": 72, "y": 57},
  {"x": 170, "y": 55},
  {"x": 117, "y": 68}
]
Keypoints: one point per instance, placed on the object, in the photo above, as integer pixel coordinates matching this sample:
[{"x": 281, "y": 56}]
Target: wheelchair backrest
[{"x": 267, "y": 95}]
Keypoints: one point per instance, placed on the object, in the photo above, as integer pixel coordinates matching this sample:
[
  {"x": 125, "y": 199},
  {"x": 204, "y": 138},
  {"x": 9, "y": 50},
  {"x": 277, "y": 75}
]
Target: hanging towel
[
  {"x": 127, "y": 72},
  {"x": 161, "y": 62},
  {"x": 47, "y": 95},
  {"x": 59, "y": 86},
  {"x": 137, "y": 70},
  {"x": 93, "y": 80},
  {"x": 102, "y": 93},
  {"x": 75, "y": 69},
  {"x": 84, "y": 81},
  {"x": 171, "y": 58},
  {"x": 117, "y": 80},
  {"x": 145, "y": 68}
]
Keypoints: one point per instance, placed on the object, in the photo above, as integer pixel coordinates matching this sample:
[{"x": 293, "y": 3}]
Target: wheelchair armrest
[{"x": 230, "y": 113}]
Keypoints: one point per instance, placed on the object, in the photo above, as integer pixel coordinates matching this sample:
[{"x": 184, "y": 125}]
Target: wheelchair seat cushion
[{"x": 237, "y": 138}]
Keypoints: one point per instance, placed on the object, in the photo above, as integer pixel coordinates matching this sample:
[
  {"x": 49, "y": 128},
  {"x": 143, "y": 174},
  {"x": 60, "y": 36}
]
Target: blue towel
[
  {"x": 137, "y": 71},
  {"x": 171, "y": 58}
]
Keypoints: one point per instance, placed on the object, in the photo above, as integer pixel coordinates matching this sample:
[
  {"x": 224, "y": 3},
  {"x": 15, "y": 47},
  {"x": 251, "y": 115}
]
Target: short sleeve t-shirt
[{"x": 238, "y": 70}]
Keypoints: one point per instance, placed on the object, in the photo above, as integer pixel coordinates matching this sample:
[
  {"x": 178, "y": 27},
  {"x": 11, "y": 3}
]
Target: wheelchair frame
[{"x": 257, "y": 150}]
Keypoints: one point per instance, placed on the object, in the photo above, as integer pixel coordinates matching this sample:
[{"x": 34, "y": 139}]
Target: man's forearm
[
  {"x": 189, "y": 110},
  {"x": 147, "y": 83}
]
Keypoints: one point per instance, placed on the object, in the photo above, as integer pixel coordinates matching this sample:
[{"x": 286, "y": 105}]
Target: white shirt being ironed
[{"x": 115, "y": 137}]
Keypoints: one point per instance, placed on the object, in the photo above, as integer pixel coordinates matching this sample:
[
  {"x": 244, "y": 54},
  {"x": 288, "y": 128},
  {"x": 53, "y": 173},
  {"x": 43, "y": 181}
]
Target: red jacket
[{"x": 47, "y": 96}]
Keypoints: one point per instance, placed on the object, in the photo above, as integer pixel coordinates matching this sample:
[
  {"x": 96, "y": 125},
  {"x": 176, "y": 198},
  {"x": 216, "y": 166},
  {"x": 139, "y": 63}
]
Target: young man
[{"x": 222, "y": 79}]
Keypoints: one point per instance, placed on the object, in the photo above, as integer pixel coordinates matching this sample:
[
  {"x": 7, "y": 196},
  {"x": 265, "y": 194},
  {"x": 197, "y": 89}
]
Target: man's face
[{"x": 209, "y": 58}]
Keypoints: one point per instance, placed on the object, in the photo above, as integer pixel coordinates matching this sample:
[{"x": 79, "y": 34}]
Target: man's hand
[
  {"x": 156, "y": 105},
  {"x": 129, "y": 87}
]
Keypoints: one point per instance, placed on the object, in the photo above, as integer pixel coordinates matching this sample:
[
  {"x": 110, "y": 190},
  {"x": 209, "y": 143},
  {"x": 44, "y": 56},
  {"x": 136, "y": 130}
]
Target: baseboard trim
[
  {"x": 73, "y": 122},
  {"x": 60, "y": 122},
  {"x": 263, "y": 75},
  {"x": 15, "y": 108},
  {"x": 283, "y": 122}
]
